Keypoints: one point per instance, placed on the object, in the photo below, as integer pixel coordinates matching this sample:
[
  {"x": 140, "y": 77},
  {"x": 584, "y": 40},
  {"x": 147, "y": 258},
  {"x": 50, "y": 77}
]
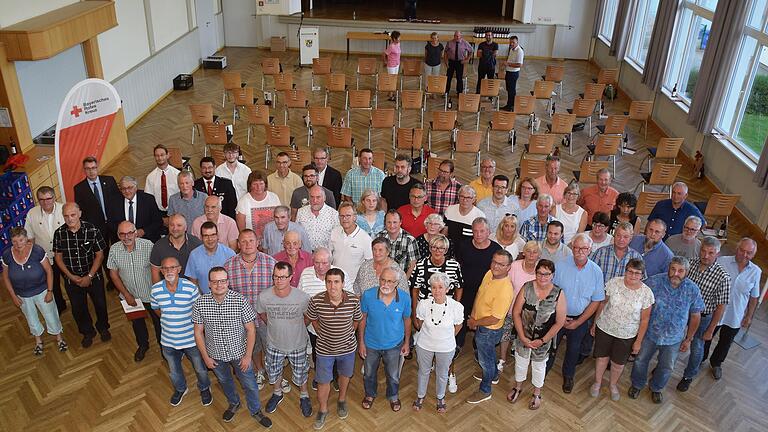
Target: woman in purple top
[{"x": 28, "y": 277}]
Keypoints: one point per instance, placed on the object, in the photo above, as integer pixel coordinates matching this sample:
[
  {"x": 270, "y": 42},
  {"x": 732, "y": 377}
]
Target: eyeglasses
[
  {"x": 634, "y": 272},
  {"x": 499, "y": 187},
  {"x": 388, "y": 281},
  {"x": 690, "y": 229},
  {"x": 127, "y": 233},
  {"x": 170, "y": 268},
  {"x": 581, "y": 249},
  {"x": 466, "y": 197},
  {"x": 45, "y": 199},
  {"x": 438, "y": 248},
  {"x": 598, "y": 225},
  {"x": 446, "y": 172},
  {"x": 278, "y": 277},
  {"x": 543, "y": 274},
  {"x": 217, "y": 282},
  {"x": 416, "y": 196}
]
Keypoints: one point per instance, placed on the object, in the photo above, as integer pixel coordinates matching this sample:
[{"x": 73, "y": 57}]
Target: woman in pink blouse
[{"x": 392, "y": 57}]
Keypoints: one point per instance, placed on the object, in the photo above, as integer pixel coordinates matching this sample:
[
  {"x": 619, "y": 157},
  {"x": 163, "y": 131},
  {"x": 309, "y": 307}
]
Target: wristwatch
[{"x": 90, "y": 275}]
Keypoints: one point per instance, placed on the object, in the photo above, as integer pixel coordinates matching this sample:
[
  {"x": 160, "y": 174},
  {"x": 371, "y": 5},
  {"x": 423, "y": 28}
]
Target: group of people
[{"x": 240, "y": 271}]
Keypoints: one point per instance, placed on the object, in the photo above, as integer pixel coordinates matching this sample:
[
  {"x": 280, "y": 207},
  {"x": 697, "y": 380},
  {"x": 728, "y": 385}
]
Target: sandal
[
  {"x": 417, "y": 403},
  {"x": 535, "y": 402},
  {"x": 367, "y": 402},
  {"x": 514, "y": 395},
  {"x": 395, "y": 405},
  {"x": 63, "y": 345},
  {"x": 38, "y": 351},
  {"x": 441, "y": 406}
]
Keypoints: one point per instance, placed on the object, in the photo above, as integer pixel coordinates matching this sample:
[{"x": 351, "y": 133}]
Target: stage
[{"x": 487, "y": 12}]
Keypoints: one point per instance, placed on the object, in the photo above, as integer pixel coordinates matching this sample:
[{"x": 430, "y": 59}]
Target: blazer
[
  {"x": 147, "y": 217},
  {"x": 333, "y": 181},
  {"x": 224, "y": 189},
  {"x": 85, "y": 198},
  {"x": 38, "y": 230}
]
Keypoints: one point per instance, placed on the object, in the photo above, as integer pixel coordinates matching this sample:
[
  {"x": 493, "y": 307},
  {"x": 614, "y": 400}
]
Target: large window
[
  {"x": 642, "y": 30},
  {"x": 608, "y": 20},
  {"x": 744, "y": 115}
]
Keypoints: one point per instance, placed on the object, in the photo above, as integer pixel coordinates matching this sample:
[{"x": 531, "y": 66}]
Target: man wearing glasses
[
  {"x": 173, "y": 299},
  {"x": 349, "y": 244},
  {"x": 484, "y": 184},
  {"x": 497, "y": 204},
  {"x": 327, "y": 176},
  {"x": 130, "y": 270},
  {"x": 300, "y": 196},
  {"x": 686, "y": 244},
  {"x": 414, "y": 214},
  {"x": 283, "y": 181},
  {"x": 208, "y": 255}
]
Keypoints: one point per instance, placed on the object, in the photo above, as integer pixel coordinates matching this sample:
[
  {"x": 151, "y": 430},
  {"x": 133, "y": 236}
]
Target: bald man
[
  {"x": 675, "y": 211},
  {"x": 176, "y": 244},
  {"x": 226, "y": 226}
]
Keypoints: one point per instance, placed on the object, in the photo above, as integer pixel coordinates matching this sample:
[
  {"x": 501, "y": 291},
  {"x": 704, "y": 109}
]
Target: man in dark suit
[
  {"x": 139, "y": 206},
  {"x": 327, "y": 176},
  {"x": 219, "y": 186}
]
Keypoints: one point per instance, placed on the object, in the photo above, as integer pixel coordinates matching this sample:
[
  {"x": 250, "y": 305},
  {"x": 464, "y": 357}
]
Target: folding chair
[
  {"x": 607, "y": 76},
  {"x": 214, "y": 134},
  {"x": 379, "y": 160},
  {"x": 411, "y": 100},
  {"x": 231, "y": 81},
  {"x": 555, "y": 74},
  {"x": 410, "y": 139},
  {"x": 470, "y": 103},
  {"x": 594, "y": 91},
  {"x": 526, "y": 105},
  {"x": 719, "y": 205},
  {"x": 667, "y": 148},
  {"x": 583, "y": 109},
  {"x": 442, "y": 121},
  {"x": 241, "y": 97},
  {"x": 562, "y": 124},
  {"x": 433, "y": 166},
  {"x": 605, "y": 146},
  {"x": 468, "y": 141},
  {"x": 411, "y": 68},
  {"x": 614, "y": 125},
  {"x": 490, "y": 88},
  {"x": 283, "y": 83},
  {"x": 640, "y": 111},
  {"x": 317, "y": 117},
  {"x": 382, "y": 119},
  {"x": 436, "y": 86},
  {"x": 340, "y": 137},
  {"x": 358, "y": 100},
  {"x": 335, "y": 83},
  {"x": 321, "y": 67},
  {"x": 294, "y": 99},
  {"x": 540, "y": 145},
  {"x": 270, "y": 66},
  {"x": 278, "y": 136},
  {"x": 299, "y": 158},
  {"x": 663, "y": 175},
  {"x": 385, "y": 83},
  {"x": 202, "y": 114},
  {"x": 532, "y": 168},
  {"x": 542, "y": 90},
  {"x": 366, "y": 67},
  {"x": 502, "y": 121},
  {"x": 587, "y": 173},
  {"x": 646, "y": 201},
  {"x": 258, "y": 115}
]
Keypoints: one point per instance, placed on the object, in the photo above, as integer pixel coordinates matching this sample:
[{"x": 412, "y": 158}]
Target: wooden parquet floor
[{"x": 102, "y": 389}]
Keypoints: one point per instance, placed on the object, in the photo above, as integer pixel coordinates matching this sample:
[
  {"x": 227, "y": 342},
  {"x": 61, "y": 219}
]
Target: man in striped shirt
[
  {"x": 173, "y": 299},
  {"x": 336, "y": 314}
]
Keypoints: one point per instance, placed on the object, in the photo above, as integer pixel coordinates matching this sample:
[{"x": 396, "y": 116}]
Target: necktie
[
  {"x": 98, "y": 198},
  {"x": 163, "y": 191},
  {"x": 130, "y": 212},
  {"x": 210, "y": 188}
]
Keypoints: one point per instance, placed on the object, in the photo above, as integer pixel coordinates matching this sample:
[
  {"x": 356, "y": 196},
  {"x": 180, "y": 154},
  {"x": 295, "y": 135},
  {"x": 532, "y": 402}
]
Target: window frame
[
  {"x": 605, "y": 17},
  {"x": 636, "y": 34}
]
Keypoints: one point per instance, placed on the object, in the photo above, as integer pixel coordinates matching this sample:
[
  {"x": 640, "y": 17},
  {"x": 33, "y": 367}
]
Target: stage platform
[{"x": 487, "y": 12}]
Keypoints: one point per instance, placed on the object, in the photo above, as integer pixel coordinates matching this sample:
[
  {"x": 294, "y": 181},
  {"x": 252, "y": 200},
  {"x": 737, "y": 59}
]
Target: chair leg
[
  {"x": 488, "y": 140},
  {"x": 445, "y": 103},
  {"x": 193, "y": 135},
  {"x": 393, "y": 138},
  {"x": 477, "y": 122},
  {"x": 369, "y": 137},
  {"x": 325, "y": 103},
  {"x": 399, "y": 115},
  {"x": 421, "y": 120},
  {"x": 477, "y": 162},
  {"x": 248, "y": 137}
]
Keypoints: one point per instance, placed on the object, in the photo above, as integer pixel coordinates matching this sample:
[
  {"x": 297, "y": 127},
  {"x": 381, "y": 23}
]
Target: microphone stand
[{"x": 299, "y": 66}]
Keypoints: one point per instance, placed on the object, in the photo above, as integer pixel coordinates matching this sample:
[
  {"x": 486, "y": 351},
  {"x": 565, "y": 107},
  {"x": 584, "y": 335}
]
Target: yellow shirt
[
  {"x": 493, "y": 299},
  {"x": 482, "y": 190}
]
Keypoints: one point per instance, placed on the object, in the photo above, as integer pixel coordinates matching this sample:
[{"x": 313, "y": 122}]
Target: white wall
[
  {"x": 130, "y": 34},
  {"x": 14, "y": 11}
]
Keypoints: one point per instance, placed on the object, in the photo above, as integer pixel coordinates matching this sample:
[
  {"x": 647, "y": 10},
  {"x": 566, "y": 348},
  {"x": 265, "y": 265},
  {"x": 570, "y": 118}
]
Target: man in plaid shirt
[
  {"x": 535, "y": 228},
  {"x": 404, "y": 248},
  {"x": 715, "y": 285},
  {"x": 613, "y": 259},
  {"x": 365, "y": 176},
  {"x": 443, "y": 191},
  {"x": 250, "y": 273}
]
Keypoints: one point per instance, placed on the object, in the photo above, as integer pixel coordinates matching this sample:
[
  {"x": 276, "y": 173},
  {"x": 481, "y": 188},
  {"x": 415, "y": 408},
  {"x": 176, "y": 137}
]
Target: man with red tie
[
  {"x": 161, "y": 181},
  {"x": 221, "y": 187}
]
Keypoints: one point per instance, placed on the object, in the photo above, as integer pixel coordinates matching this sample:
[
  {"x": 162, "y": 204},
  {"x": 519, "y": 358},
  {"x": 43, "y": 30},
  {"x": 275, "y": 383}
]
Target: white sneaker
[
  {"x": 260, "y": 379},
  {"x": 286, "y": 386},
  {"x": 500, "y": 365},
  {"x": 452, "y": 386}
]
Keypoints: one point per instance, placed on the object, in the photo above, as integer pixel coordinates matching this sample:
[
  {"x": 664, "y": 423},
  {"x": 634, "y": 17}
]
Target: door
[
  {"x": 206, "y": 27},
  {"x": 241, "y": 25},
  {"x": 572, "y": 41}
]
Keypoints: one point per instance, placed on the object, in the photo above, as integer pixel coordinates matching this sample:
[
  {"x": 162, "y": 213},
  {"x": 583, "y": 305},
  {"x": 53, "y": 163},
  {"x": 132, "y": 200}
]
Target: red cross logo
[{"x": 76, "y": 110}]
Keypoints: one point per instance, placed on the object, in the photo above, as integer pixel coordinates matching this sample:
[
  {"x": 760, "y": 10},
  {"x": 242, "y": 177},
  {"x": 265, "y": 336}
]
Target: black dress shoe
[
  {"x": 567, "y": 384},
  {"x": 140, "y": 352},
  {"x": 106, "y": 336},
  {"x": 87, "y": 341}
]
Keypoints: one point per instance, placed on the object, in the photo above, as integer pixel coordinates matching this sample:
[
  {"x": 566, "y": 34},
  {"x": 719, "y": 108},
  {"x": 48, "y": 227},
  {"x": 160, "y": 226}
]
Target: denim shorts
[{"x": 345, "y": 366}]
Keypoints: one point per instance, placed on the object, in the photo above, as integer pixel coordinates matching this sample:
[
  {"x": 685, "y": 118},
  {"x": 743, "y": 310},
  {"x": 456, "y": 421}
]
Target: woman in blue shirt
[{"x": 28, "y": 277}]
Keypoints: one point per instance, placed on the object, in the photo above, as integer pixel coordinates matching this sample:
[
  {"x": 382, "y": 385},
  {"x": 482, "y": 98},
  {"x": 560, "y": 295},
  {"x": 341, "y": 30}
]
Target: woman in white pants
[
  {"x": 438, "y": 319},
  {"x": 539, "y": 313}
]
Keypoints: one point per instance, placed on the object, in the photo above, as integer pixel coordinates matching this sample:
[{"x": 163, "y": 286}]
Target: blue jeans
[
  {"x": 486, "y": 340},
  {"x": 223, "y": 372},
  {"x": 662, "y": 373},
  {"x": 391, "y": 358},
  {"x": 174, "y": 357},
  {"x": 573, "y": 342},
  {"x": 697, "y": 348}
]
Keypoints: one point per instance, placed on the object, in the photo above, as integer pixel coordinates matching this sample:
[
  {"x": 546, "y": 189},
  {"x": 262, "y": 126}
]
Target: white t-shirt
[
  {"x": 570, "y": 221},
  {"x": 595, "y": 245},
  {"x": 437, "y": 329},
  {"x": 513, "y": 248},
  {"x": 239, "y": 177},
  {"x": 621, "y": 315},
  {"x": 349, "y": 251},
  {"x": 247, "y": 203},
  {"x": 515, "y": 56}
]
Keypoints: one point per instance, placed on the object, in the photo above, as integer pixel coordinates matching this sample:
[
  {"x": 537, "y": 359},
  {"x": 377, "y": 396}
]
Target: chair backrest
[
  {"x": 411, "y": 99},
  {"x": 589, "y": 171},
  {"x": 360, "y": 99},
  {"x": 443, "y": 120},
  {"x": 379, "y": 157},
  {"x": 270, "y": 66},
  {"x": 336, "y": 82},
  {"x": 258, "y": 114},
  {"x": 584, "y": 107},
  {"x": 366, "y": 66},
  {"x": 607, "y": 145},
  {"x": 647, "y": 200},
  {"x": 593, "y": 91},
  {"x": 607, "y": 76},
  {"x": 468, "y": 141},
  {"x": 616, "y": 124},
  {"x": 721, "y": 205},
  {"x": 668, "y": 148},
  {"x": 217, "y": 153},
  {"x": 321, "y": 66},
  {"x": 411, "y": 67},
  {"x": 320, "y": 116},
  {"x": 386, "y": 83},
  {"x": 436, "y": 84},
  {"x": 231, "y": 80},
  {"x": 562, "y": 123},
  {"x": 503, "y": 121},
  {"x": 433, "y": 166},
  {"x": 174, "y": 157},
  {"x": 409, "y": 138},
  {"x": 554, "y": 73},
  {"x": 469, "y": 102},
  {"x": 664, "y": 174},
  {"x": 299, "y": 158},
  {"x": 278, "y": 135},
  {"x": 543, "y": 89},
  {"x": 524, "y": 105},
  {"x": 383, "y": 118},
  {"x": 640, "y": 110},
  {"x": 243, "y": 96},
  {"x": 296, "y": 98},
  {"x": 532, "y": 168},
  {"x": 339, "y": 137},
  {"x": 201, "y": 113},
  {"x": 541, "y": 144},
  {"x": 490, "y": 87},
  {"x": 215, "y": 134},
  {"x": 283, "y": 81}
]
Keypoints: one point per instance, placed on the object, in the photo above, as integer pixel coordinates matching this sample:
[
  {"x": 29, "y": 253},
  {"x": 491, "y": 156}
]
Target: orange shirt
[
  {"x": 556, "y": 191},
  {"x": 593, "y": 201}
]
